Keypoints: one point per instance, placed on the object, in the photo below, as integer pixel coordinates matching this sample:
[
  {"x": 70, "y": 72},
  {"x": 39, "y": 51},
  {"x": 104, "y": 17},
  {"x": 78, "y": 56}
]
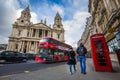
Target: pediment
[{"x": 41, "y": 26}]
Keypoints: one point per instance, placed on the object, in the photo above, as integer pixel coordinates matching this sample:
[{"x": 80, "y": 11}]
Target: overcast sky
[{"x": 73, "y": 13}]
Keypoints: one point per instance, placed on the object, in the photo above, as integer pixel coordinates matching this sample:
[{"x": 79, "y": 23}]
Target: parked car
[
  {"x": 23, "y": 57},
  {"x": 31, "y": 56},
  {"x": 11, "y": 56}
]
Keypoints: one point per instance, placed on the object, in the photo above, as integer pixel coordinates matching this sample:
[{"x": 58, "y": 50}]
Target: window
[
  {"x": 34, "y": 30},
  {"x": 19, "y": 32},
  {"x": 58, "y": 36},
  {"x": 51, "y": 34},
  {"x": 58, "y": 26},
  {"x": 16, "y": 46},
  {"x": 46, "y": 32},
  {"x": 112, "y": 45},
  {"x": 40, "y": 33},
  {"x": 28, "y": 34},
  {"x": 43, "y": 51},
  {"x": 32, "y": 44},
  {"x": 22, "y": 21}
]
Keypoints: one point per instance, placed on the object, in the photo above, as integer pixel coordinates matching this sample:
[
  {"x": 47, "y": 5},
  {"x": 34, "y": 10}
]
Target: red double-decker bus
[{"x": 52, "y": 50}]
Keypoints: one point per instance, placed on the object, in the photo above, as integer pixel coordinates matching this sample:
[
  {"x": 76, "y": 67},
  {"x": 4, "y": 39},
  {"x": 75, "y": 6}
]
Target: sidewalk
[{"x": 62, "y": 73}]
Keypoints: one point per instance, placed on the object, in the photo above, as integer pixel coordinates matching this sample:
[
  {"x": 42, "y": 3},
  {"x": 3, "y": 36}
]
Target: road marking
[
  {"x": 26, "y": 71},
  {"x": 12, "y": 75},
  {"x": 6, "y": 76}
]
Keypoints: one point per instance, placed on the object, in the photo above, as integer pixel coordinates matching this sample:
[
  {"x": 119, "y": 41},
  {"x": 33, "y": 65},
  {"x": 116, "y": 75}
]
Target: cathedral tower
[
  {"x": 20, "y": 31},
  {"x": 58, "y": 30},
  {"x": 24, "y": 19}
]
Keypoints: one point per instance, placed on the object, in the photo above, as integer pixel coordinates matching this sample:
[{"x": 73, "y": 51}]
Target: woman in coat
[{"x": 72, "y": 61}]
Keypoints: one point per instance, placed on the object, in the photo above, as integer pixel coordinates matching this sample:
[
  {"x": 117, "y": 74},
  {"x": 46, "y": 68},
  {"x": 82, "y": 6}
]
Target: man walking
[{"x": 81, "y": 51}]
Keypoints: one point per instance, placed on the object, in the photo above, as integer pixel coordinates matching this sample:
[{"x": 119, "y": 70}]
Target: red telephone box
[{"x": 100, "y": 53}]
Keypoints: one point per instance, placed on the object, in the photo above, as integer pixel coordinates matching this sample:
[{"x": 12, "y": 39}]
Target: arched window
[
  {"x": 58, "y": 26},
  {"x": 28, "y": 34},
  {"x": 58, "y": 36},
  {"x": 19, "y": 32},
  {"x": 16, "y": 46}
]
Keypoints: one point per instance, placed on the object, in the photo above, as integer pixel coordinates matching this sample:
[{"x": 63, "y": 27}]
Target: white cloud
[
  {"x": 10, "y": 11},
  {"x": 48, "y": 11},
  {"x": 24, "y": 2},
  {"x": 58, "y": 8},
  {"x": 75, "y": 27},
  {"x": 34, "y": 17}
]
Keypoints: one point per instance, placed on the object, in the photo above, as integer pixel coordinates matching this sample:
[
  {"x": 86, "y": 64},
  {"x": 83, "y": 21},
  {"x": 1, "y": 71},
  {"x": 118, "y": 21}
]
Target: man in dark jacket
[
  {"x": 81, "y": 51},
  {"x": 71, "y": 61}
]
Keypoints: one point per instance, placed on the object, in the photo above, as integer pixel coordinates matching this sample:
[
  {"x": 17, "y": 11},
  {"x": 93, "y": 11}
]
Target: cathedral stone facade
[{"x": 25, "y": 35}]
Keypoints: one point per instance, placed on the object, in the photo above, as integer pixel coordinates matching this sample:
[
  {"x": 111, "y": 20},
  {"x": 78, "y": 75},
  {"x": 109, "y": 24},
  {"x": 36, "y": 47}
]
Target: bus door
[
  {"x": 50, "y": 54},
  {"x": 58, "y": 55}
]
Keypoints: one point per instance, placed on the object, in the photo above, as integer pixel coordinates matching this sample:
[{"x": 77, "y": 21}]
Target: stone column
[
  {"x": 42, "y": 33},
  {"x": 29, "y": 46},
  {"x": 48, "y": 33},
  {"x": 35, "y": 47},
  {"x": 23, "y": 46},
  {"x": 9, "y": 46},
  {"x": 19, "y": 46},
  {"x": 37, "y": 33},
  {"x": 13, "y": 45},
  {"x": 31, "y": 32}
]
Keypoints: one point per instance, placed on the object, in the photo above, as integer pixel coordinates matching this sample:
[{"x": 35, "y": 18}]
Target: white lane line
[
  {"x": 12, "y": 75},
  {"x": 26, "y": 71},
  {"x": 6, "y": 76}
]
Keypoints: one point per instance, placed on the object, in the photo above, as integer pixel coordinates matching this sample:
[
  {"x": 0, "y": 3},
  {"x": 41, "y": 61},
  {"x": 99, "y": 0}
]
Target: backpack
[{"x": 81, "y": 50}]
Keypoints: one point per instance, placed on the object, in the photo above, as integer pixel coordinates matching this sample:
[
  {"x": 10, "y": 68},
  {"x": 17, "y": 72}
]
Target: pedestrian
[
  {"x": 81, "y": 51},
  {"x": 72, "y": 61}
]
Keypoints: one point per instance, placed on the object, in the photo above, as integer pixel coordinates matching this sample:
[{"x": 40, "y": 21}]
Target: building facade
[
  {"x": 106, "y": 19},
  {"x": 85, "y": 38},
  {"x": 25, "y": 35}
]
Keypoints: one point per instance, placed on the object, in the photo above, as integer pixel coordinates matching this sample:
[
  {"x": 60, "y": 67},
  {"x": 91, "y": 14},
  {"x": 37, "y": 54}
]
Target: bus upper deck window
[{"x": 44, "y": 40}]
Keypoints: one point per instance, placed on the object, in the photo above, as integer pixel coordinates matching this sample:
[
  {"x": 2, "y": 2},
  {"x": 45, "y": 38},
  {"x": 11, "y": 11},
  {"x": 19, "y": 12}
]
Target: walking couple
[{"x": 81, "y": 51}]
